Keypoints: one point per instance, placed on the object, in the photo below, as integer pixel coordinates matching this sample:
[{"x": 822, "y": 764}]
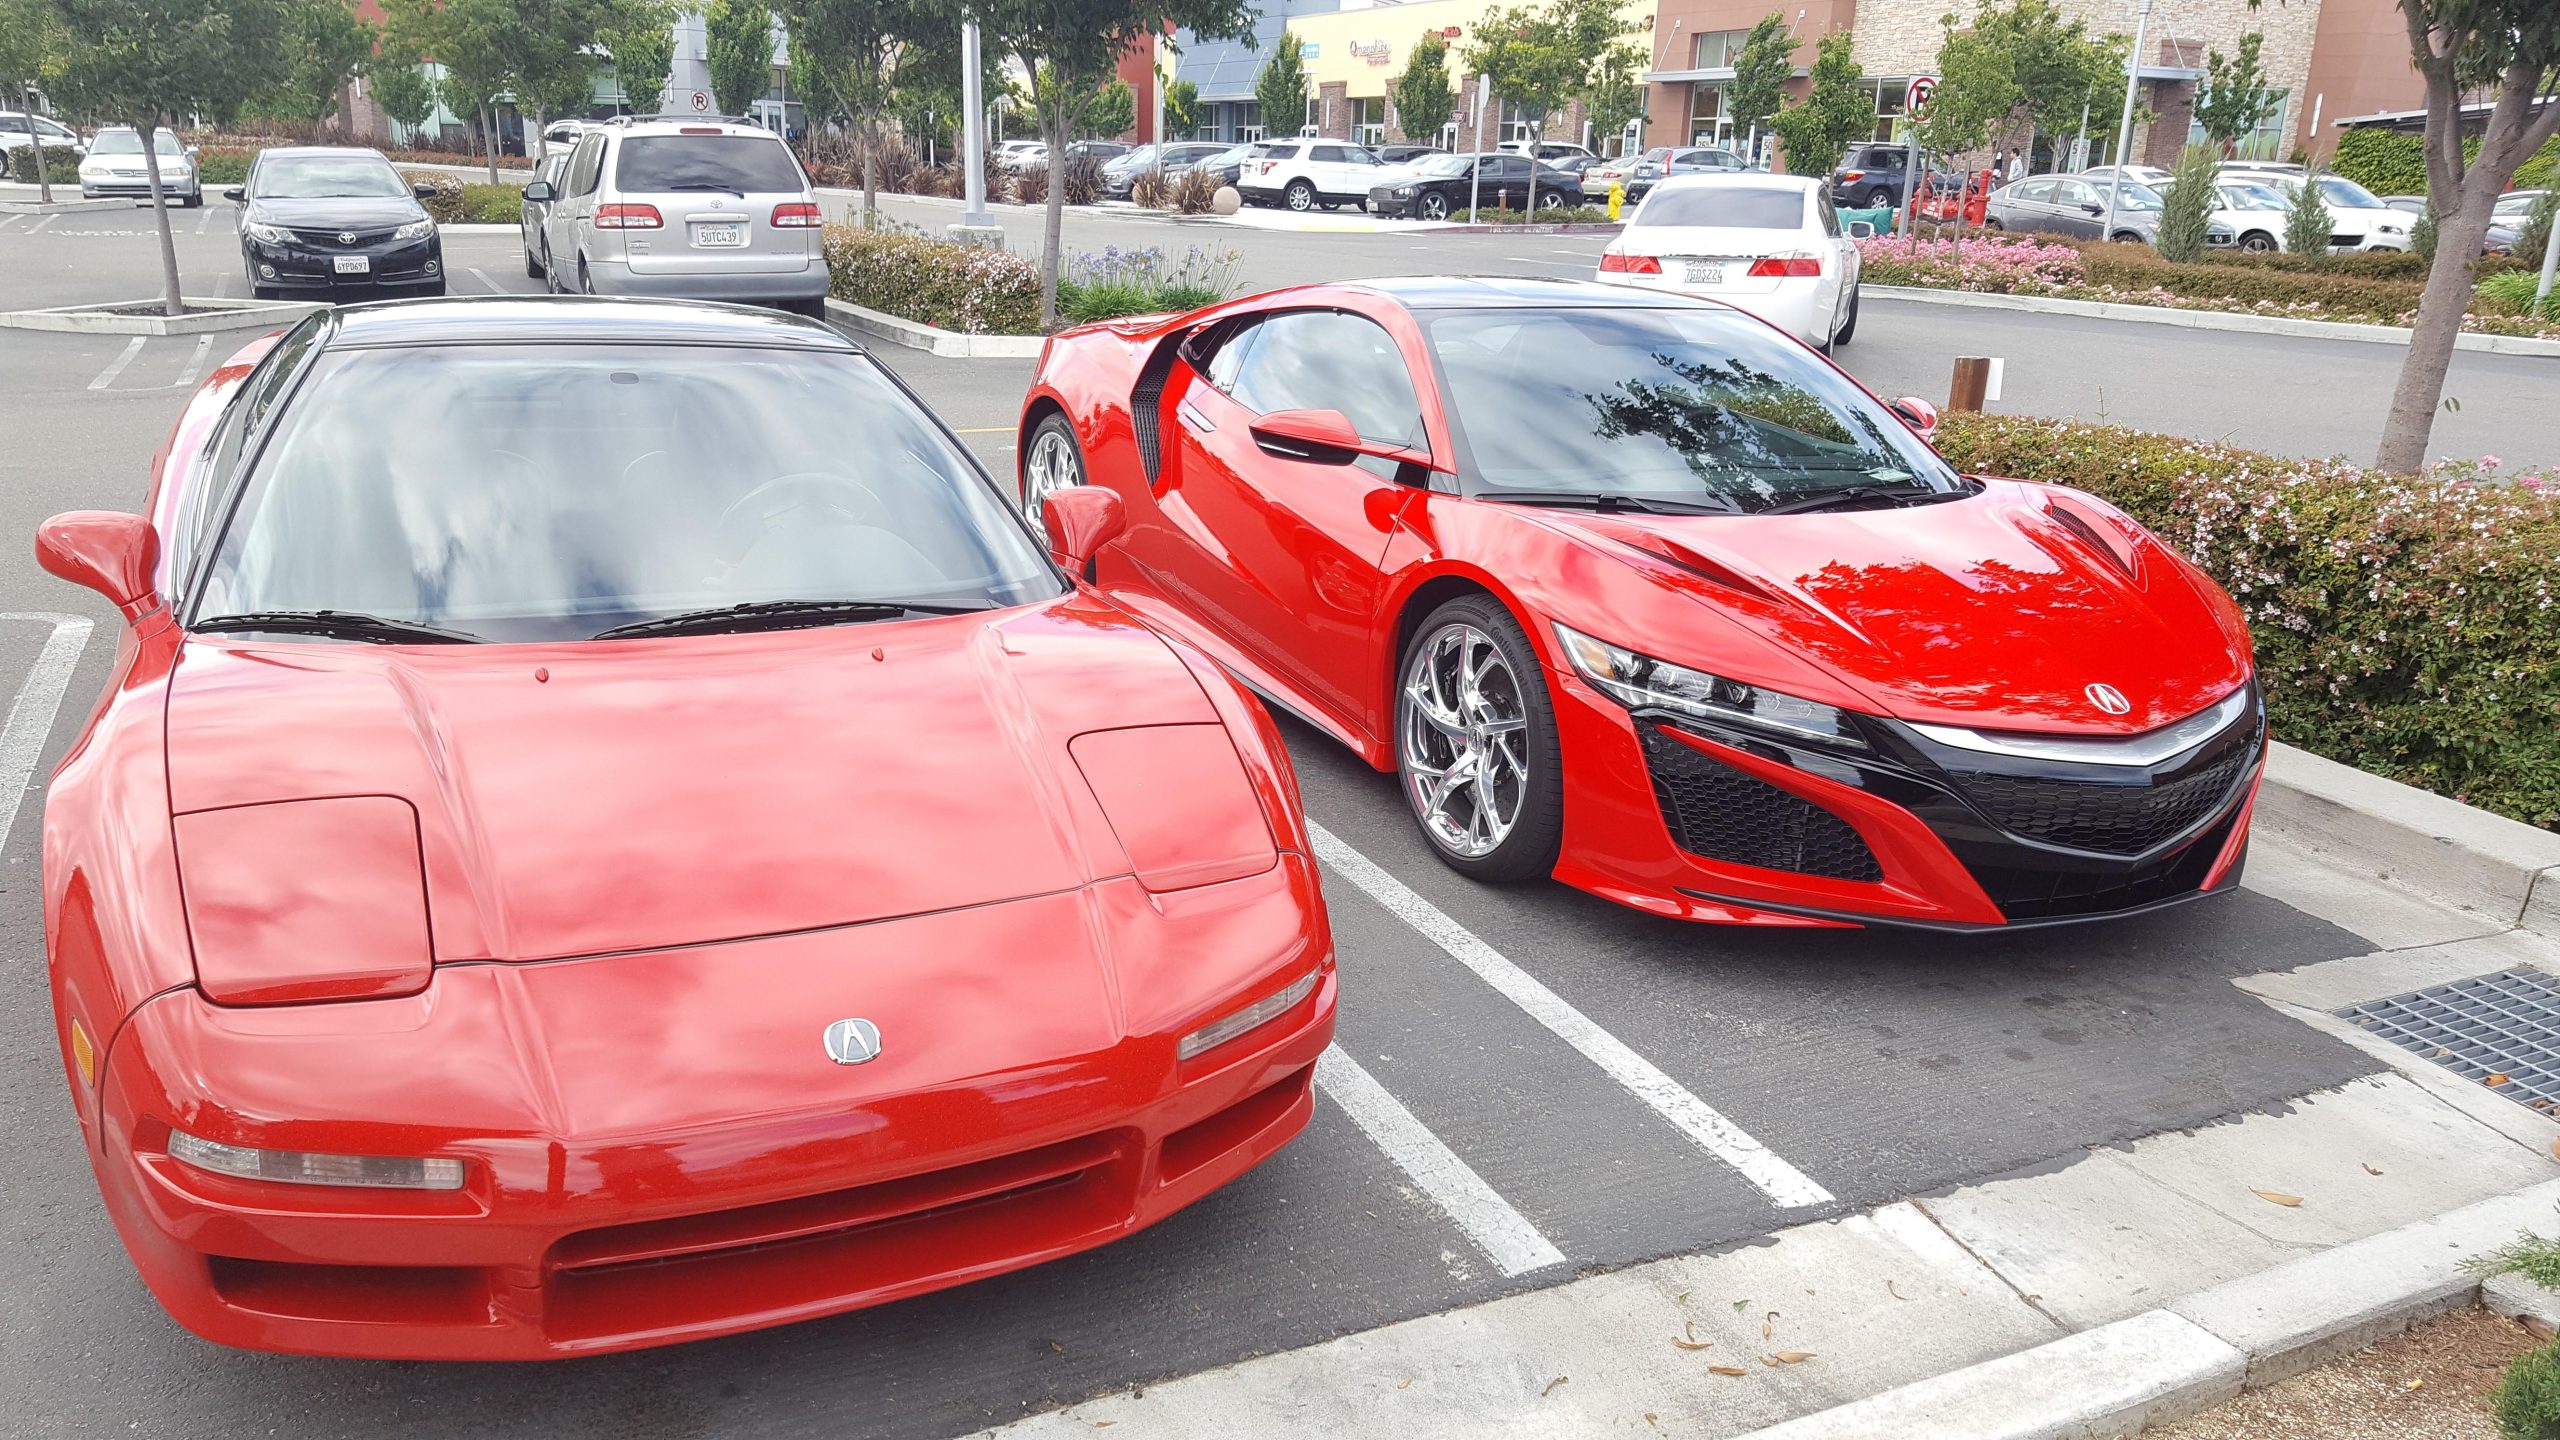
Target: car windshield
[
  {"x": 1724, "y": 207},
  {"x": 745, "y": 164},
  {"x": 1443, "y": 165},
  {"x": 2339, "y": 191},
  {"x": 549, "y": 492},
  {"x": 126, "y": 142},
  {"x": 2252, "y": 197},
  {"x": 2132, "y": 196},
  {"x": 327, "y": 177},
  {"x": 1702, "y": 406}
]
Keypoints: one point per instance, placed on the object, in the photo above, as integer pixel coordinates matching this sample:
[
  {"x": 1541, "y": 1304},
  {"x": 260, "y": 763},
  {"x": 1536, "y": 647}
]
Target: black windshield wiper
[
  {"x": 708, "y": 187},
  {"x": 337, "y": 624},
  {"x": 1848, "y": 495},
  {"x": 782, "y": 615},
  {"x": 1610, "y": 502}
]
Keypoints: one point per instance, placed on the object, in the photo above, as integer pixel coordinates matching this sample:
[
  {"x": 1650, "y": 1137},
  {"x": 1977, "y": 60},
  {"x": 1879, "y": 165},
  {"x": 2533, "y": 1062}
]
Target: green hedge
[
  {"x": 2339, "y": 292},
  {"x": 1552, "y": 215},
  {"x": 460, "y": 202},
  {"x": 970, "y": 288},
  {"x": 61, "y": 164},
  {"x": 224, "y": 165},
  {"x": 2387, "y": 162},
  {"x": 2408, "y": 627}
]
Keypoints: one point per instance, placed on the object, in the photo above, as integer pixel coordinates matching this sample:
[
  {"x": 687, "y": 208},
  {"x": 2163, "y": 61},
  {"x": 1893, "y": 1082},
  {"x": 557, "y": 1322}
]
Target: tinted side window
[
  {"x": 582, "y": 170},
  {"x": 1329, "y": 154},
  {"x": 1330, "y": 360},
  {"x": 2038, "y": 191},
  {"x": 2072, "y": 192},
  {"x": 1215, "y": 353},
  {"x": 1830, "y": 217}
]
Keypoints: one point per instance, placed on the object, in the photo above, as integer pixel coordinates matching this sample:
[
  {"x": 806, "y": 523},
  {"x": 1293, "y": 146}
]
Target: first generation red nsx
[
  {"x": 1641, "y": 593},
  {"x": 607, "y": 829}
]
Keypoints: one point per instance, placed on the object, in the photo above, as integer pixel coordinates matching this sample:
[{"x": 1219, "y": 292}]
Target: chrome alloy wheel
[
  {"x": 1054, "y": 465},
  {"x": 1465, "y": 740}
]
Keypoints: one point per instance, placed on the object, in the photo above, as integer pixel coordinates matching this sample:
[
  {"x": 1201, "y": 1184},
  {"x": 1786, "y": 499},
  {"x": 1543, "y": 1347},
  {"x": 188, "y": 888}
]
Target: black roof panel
[{"x": 469, "y": 319}]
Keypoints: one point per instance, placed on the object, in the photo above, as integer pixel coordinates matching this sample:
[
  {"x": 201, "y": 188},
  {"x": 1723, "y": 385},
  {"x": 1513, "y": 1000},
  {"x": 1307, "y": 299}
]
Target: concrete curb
[
  {"x": 60, "y": 207},
  {"x": 2164, "y": 1365},
  {"x": 2504, "y": 869},
  {"x": 461, "y": 227},
  {"x": 934, "y": 340},
  {"x": 2206, "y": 319},
  {"x": 215, "y": 314},
  {"x": 1593, "y": 227}
]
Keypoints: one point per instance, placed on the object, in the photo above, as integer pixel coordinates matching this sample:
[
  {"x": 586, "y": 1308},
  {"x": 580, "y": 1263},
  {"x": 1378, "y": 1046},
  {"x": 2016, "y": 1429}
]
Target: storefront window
[
  {"x": 2267, "y": 142},
  {"x": 1707, "y": 122},
  {"x": 1890, "y": 97},
  {"x": 1716, "y": 49},
  {"x": 1369, "y": 120}
]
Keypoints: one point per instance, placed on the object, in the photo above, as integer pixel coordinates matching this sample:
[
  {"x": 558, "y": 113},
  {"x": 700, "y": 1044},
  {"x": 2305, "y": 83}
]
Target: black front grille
[
  {"x": 2028, "y": 894},
  {"x": 328, "y": 239},
  {"x": 1719, "y": 813},
  {"x": 2111, "y": 819}
]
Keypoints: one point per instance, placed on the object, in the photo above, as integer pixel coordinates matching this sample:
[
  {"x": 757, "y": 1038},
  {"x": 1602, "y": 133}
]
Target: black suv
[{"x": 1870, "y": 177}]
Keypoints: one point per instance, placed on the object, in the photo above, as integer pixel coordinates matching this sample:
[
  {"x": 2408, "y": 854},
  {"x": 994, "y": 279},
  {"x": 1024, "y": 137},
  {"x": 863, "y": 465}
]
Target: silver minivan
[{"x": 688, "y": 209}]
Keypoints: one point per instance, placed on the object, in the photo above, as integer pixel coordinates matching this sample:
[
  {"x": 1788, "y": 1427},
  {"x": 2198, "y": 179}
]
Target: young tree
[
  {"x": 1281, "y": 89},
  {"x": 1542, "y": 60},
  {"x": 1112, "y": 112},
  {"x": 641, "y": 40},
  {"x": 2508, "y": 50},
  {"x": 738, "y": 48},
  {"x": 854, "y": 49},
  {"x": 30, "y": 46},
  {"x": 1422, "y": 94},
  {"x": 1082, "y": 41},
  {"x": 2307, "y": 223},
  {"x": 466, "y": 37},
  {"x": 2186, "y": 216},
  {"x": 1617, "y": 91},
  {"x": 404, "y": 90},
  {"x": 325, "y": 44},
  {"x": 2236, "y": 95},
  {"x": 146, "y": 62},
  {"x": 1760, "y": 75},
  {"x": 2058, "y": 67},
  {"x": 1818, "y": 131},
  {"x": 1977, "y": 90},
  {"x": 1181, "y": 107}
]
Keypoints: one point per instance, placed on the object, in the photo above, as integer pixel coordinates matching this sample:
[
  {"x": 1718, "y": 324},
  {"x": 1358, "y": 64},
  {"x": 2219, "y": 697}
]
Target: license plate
[
  {"x": 1705, "y": 272},
  {"x": 353, "y": 265},
  {"x": 720, "y": 235}
]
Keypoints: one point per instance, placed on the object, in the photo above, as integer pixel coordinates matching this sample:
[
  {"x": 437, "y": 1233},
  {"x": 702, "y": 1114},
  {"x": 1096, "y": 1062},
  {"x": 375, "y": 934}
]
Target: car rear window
[
  {"x": 749, "y": 164},
  {"x": 1725, "y": 207}
]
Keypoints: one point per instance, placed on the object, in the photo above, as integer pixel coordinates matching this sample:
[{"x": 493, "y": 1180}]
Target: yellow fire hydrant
[{"x": 1617, "y": 197}]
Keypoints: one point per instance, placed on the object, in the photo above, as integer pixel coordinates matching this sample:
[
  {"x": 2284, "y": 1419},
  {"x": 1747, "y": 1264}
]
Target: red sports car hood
[
  {"x": 586, "y": 798},
  {"x": 1999, "y": 611}
]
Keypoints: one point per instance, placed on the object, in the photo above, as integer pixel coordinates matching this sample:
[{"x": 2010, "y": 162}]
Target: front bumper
[
  {"x": 1718, "y": 823},
  {"x": 658, "y": 1149},
  {"x": 136, "y": 187},
  {"x": 297, "y": 265},
  {"x": 616, "y": 277}
]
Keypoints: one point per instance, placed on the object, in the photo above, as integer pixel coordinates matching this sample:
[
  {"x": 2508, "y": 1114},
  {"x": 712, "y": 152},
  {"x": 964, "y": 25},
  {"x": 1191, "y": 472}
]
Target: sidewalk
[{"x": 2116, "y": 1287}]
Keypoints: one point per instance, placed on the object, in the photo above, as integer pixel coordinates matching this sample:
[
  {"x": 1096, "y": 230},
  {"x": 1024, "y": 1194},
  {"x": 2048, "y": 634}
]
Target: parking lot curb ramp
[
  {"x": 2166, "y": 1364},
  {"x": 2504, "y": 870},
  {"x": 933, "y": 340}
]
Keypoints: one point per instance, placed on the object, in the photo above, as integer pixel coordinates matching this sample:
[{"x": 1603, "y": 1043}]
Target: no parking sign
[
  {"x": 701, "y": 101},
  {"x": 1923, "y": 89}
]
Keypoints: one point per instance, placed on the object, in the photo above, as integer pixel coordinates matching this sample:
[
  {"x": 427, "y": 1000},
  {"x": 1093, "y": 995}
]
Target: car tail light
[
  {"x": 1261, "y": 1012},
  {"x": 1848, "y": 175},
  {"x": 798, "y": 215},
  {"x": 1613, "y": 263},
  {"x": 628, "y": 217},
  {"x": 1786, "y": 267},
  {"x": 300, "y": 1167}
]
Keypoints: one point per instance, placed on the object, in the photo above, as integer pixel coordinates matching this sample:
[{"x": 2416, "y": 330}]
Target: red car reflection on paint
[
  {"x": 1637, "y": 592},
  {"x": 634, "y": 842}
]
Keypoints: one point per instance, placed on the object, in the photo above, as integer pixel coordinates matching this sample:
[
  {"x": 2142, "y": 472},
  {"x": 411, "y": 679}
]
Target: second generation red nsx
[
  {"x": 1639, "y": 592},
  {"x": 605, "y": 829}
]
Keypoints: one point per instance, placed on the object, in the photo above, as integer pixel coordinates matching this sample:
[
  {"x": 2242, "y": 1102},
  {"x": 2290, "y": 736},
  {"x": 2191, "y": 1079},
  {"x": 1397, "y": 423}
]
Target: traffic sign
[
  {"x": 1923, "y": 87},
  {"x": 701, "y": 101}
]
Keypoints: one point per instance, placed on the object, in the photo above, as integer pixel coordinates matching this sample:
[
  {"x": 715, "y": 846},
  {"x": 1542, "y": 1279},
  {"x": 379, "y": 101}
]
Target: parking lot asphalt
[{"x": 1875, "y": 1064}]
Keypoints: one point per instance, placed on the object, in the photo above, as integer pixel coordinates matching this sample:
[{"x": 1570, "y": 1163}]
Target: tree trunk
[
  {"x": 35, "y": 141},
  {"x": 541, "y": 141},
  {"x": 1054, "y": 229},
  {"x": 489, "y": 139},
  {"x": 169, "y": 303},
  {"x": 870, "y": 133}
]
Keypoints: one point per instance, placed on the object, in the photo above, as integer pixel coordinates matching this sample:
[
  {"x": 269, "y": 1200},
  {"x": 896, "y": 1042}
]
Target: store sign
[
  {"x": 1452, "y": 33},
  {"x": 1376, "y": 52},
  {"x": 1309, "y": 50}
]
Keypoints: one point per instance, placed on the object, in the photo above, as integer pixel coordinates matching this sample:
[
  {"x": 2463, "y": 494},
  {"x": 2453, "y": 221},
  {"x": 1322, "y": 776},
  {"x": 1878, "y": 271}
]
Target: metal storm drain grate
[{"x": 2502, "y": 1030}]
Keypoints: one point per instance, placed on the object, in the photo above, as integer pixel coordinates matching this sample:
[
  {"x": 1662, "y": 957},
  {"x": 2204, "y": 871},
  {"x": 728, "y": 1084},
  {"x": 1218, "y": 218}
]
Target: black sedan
[
  {"x": 1441, "y": 185},
  {"x": 334, "y": 221}
]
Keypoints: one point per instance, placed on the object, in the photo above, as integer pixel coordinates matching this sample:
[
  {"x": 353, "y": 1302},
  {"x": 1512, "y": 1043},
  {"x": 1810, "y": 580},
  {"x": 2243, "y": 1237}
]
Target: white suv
[
  {"x": 1306, "y": 174},
  {"x": 694, "y": 210}
]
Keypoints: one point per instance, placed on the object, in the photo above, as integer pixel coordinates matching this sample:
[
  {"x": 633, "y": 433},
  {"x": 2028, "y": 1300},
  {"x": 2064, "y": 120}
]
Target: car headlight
[
  {"x": 2393, "y": 229},
  {"x": 1252, "y": 1017},
  {"x": 272, "y": 234},
  {"x": 1642, "y": 682},
  {"x": 301, "y": 1167},
  {"x": 1404, "y": 190},
  {"x": 415, "y": 230}
]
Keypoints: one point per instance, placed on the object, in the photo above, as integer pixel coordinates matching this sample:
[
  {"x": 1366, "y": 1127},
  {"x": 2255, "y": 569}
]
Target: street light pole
[
  {"x": 2124, "y": 127},
  {"x": 1475, "y": 162},
  {"x": 973, "y": 134}
]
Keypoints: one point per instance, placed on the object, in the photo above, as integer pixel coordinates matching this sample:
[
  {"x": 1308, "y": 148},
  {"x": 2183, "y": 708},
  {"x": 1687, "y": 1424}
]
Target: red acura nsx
[
  {"x": 606, "y": 829},
  {"x": 1638, "y": 592}
]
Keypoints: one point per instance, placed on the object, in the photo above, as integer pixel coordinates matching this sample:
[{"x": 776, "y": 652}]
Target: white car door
[{"x": 1824, "y": 237}]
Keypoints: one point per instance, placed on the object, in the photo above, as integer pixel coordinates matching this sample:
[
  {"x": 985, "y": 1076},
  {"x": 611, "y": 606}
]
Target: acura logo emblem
[
  {"x": 853, "y": 1042},
  {"x": 346, "y": 237},
  {"x": 2108, "y": 698}
]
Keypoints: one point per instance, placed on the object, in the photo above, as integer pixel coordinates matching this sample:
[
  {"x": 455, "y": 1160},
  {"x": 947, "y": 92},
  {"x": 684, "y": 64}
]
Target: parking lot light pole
[
  {"x": 976, "y": 224},
  {"x": 2124, "y": 127},
  {"x": 1475, "y": 169},
  {"x": 2550, "y": 263}
]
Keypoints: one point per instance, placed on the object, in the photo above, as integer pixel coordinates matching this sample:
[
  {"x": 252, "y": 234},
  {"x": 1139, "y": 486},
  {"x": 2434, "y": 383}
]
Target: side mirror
[
  {"x": 2093, "y": 207},
  {"x": 194, "y": 150},
  {"x": 109, "y": 552},
  {"x": 1322, "y": 436},
  {"x": 1917, "y": 413},
  {"x": 236, "y": 194},
  {"x": 539, "y": 192},
  {"x": 423, "y": 192},
  {"x": 1861, "y": 230},
  {"x": 1081, "y": 519}
]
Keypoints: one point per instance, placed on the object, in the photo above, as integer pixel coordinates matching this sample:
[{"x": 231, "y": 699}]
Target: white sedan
[{"x": 1768, "y": 244}]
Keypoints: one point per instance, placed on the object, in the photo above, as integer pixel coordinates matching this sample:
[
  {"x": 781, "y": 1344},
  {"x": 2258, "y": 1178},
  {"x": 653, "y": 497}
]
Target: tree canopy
[
  {"x": 1422, "y": 92},
  {"x": 2236, "y": 96},
  {"x": 1542, "y": 59},
  {"x": 1760, "y": 74},
  {"x": 738, "y": 50},
  {"x": 1281, "y": 88},
  {"x": 1818, "y": 130}
]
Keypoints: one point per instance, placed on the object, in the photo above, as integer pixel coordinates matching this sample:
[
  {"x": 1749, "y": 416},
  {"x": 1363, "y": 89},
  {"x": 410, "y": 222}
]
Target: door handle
[{"x": 1193, "y": 420}]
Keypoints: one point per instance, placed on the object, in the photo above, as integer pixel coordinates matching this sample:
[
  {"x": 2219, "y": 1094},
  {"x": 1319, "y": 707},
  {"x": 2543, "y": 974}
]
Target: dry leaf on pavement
[
  {"x": 2494, "y": 1077},
  {"x": 1794, "y": 1357},
  {"x": 1726, "y": 1370},
  {"x": 1693, "y": 1342},
  {"x": 1551, "y": 1386},
  {"x": 2277, "y": 1197},
  {"x": 2369, "y": 1170}
]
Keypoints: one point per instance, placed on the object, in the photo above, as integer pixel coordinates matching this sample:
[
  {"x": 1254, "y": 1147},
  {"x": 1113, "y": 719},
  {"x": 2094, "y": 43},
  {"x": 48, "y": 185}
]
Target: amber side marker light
[
  {"x": 302, "y": 1167},
  {"x": 1260, "y": 1012}
]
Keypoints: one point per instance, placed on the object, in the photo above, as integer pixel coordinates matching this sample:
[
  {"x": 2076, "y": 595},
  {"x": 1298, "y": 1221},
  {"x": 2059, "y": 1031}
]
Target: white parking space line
[
  {"x": 1501, "y": 1232},
  {"x": 8, "y": 220},
  {"x": 195, "y": 364},
  {"x": 116, "y": 366},
  {"x": 204, "y": 218},
  {"x": 485, "y": 280},
  {"x": 40, "y": 224},
  {"x": 31, "y": 714},
  {"x": 1781, "y": 1182}
]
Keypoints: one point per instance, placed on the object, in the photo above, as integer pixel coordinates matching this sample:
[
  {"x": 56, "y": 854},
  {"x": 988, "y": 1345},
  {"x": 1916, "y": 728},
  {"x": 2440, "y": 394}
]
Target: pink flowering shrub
[
  {"x": 970, "y": 288},
  {"x": 2409, "y": 626},
  {"x": 1991, "y": 263}
]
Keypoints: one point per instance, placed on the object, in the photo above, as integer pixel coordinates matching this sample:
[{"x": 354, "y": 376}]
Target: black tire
[
  {"x": 1300, "y": 196},
  {"x": 532, "y": 267},
  {"x": 1528, "y": 850},
  {"x": 1849, "y": 323},
  {"x": 1053, "y": 442},
  {"x": 192, "y": 201},
  {"x": 2258, "y": 242},
  {"x": 2129, "y": 237},
  {"x": 1992, "y": 222},
  {"x": 1551, "y": 200},
  {"x": 586, "y": 282},
  {"x": 1432, "y": 206}
]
